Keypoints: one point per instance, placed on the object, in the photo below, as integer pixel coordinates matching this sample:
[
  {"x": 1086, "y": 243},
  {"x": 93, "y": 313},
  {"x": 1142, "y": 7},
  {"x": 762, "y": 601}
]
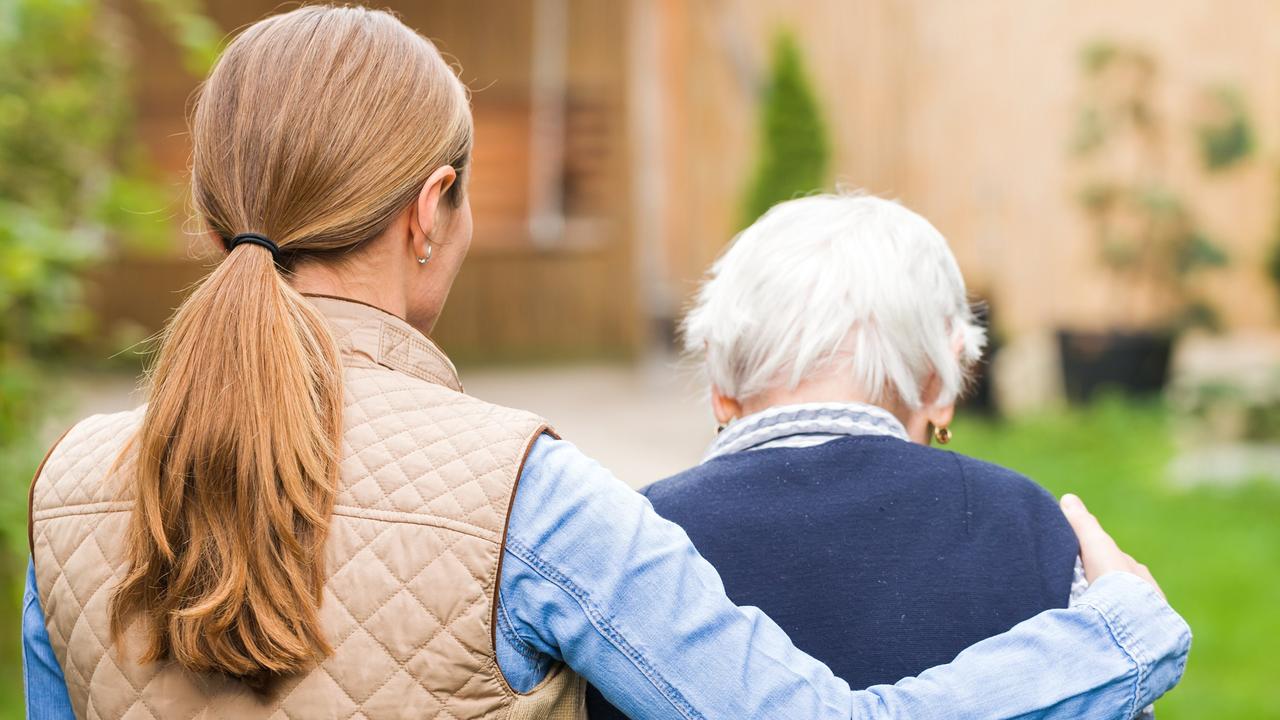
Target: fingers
[
  {"x": 1143, "y": 572},
  {"x": 1098, "y": 550}
]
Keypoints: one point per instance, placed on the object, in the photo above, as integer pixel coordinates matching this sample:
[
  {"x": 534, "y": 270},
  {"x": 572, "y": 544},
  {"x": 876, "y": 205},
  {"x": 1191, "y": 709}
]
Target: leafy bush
[
  {"x": 71, "y": 172},
  {"x": 1226, "y": 136},
  {"x": 1272, "y": 259},
  {"x": 62, "y": 114},
  {"x": 72, "y": 177},
  {"x": 1273, "y": 264},
  {"x": 795, "y": 151},
  {"x": 1148, "y": 238}
]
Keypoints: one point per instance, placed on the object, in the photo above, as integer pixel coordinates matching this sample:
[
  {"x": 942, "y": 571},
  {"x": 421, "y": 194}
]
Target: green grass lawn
[{"x": 1215, "y": 551}]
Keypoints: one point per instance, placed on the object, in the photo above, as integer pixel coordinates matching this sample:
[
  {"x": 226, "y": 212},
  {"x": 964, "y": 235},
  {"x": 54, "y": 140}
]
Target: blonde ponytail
[
  {"x": 314, "y": 130},
  {"x": 236, "y": 472}
]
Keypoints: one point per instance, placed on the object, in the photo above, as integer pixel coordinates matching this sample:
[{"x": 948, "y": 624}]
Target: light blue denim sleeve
[
  {"x": 42, "y": 679},
  {"x": 594, "y": 578}
]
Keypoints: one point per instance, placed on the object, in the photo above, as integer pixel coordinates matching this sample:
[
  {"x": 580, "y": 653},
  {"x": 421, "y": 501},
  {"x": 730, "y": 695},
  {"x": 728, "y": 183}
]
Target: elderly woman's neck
[
  {"x": 916, "y": 422},
  {"x": 826, "y": 390},
  {"x": 837, "y": 388}
]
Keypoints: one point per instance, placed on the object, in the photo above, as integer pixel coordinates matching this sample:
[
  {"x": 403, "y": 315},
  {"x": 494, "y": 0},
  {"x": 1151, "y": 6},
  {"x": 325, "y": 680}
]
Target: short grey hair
[{"x": 830, "y": 279}]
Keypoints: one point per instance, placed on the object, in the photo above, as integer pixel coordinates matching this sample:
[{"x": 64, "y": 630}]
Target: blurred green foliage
[
  {"x": 1147, "y": 235},
  {"x": 1273, "y": 262},
  {"x": 199, "y": 37},
  {"x": 1226, "y": 136},
  {"x": 63, "y": 103},
  {"x": 72, "y": 174},
  {"x": 1213, "y": 549},
  {"x": 795, "y": 151},
  {"x": 1236, "y": 408},
  {"x": 73, "y": 183}
]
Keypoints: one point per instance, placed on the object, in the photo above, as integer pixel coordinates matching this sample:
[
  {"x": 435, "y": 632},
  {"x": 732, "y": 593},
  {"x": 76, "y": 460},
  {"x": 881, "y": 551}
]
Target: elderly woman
[{"x": 837, "y": 337}]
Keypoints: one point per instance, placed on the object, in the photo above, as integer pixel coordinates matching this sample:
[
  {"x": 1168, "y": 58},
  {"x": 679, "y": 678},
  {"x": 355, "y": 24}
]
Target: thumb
[{"x": 1098, "y": 551}]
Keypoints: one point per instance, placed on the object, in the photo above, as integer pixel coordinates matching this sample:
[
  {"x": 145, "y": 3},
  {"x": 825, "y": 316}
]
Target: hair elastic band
[{"x": 255, "y": 239}]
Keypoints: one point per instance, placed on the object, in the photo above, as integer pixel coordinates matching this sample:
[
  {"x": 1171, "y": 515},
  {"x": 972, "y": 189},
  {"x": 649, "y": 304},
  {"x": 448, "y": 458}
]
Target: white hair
[{"x": 833, "y": 278}]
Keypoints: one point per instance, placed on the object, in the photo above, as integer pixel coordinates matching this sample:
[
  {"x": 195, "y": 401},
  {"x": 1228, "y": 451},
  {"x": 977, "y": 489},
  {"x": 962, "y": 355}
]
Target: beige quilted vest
[{"x": 413, "y": 555}]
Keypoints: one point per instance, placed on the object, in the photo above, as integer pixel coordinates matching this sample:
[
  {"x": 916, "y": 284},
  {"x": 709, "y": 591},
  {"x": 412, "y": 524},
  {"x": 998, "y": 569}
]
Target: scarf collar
[{"x": 805, "y": 425}]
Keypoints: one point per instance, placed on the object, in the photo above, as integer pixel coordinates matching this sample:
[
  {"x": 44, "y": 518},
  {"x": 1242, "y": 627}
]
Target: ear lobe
[{"x": 941, "y": 416}]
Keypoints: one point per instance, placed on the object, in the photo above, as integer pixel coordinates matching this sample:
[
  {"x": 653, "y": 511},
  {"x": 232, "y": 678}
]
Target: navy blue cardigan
[{"x": 880, "y": 557}]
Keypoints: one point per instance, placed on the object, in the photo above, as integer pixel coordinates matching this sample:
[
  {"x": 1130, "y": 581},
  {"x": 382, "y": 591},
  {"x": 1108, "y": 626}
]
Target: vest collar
[{"x": 364, "y": 331}]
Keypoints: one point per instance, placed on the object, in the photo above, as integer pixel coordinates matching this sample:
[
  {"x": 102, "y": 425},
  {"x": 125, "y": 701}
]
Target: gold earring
[{"x": 942, "y": 435}]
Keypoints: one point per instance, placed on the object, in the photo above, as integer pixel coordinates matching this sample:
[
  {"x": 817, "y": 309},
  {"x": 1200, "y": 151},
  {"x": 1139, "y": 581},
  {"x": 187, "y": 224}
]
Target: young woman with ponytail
[{"x": 310, "y": 519}]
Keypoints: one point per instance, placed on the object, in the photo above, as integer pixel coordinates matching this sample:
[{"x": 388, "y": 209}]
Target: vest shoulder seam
[
  {"x": 391, "y": 516},
  {"x": 408, "y": 518},
  {"x": 88, "y": 508}
]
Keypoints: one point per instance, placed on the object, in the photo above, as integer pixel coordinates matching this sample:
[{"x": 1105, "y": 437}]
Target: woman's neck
[
  {"x": 836, "y": 388},
  {"x": 319, "y": 278},
  {"x": 816, "y": 390}
]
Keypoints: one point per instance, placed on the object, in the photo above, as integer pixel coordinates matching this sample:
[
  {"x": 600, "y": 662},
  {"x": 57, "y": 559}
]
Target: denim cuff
[{"x": 1155, "y": 637}]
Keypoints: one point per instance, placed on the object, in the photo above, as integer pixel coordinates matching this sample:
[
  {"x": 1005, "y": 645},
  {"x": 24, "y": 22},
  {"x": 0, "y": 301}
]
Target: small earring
[
  {"x": 721, "y": 427},
  {"x": 427, "y": 259},
  {"x": 942, "y": 435}
]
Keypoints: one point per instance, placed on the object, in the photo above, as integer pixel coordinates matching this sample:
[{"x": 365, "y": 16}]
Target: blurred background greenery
[
  {"x": 1117, "y": 220},
  {"x": 1213, "y": 549},
  {"x": 74, "y": 181}
]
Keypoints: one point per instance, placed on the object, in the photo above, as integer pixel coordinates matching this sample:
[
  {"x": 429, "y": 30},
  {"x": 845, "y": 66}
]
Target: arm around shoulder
[
  {"x": 1108, "y": 657},
  {"x": 621, "y": 596}
]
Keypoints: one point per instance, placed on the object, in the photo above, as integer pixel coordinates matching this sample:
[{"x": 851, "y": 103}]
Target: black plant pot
[{"x": 1134, "y": 363}]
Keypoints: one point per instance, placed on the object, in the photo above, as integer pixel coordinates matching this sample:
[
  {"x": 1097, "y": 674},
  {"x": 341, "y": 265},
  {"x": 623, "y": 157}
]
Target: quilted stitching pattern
[{"x": 426, "y": 481}]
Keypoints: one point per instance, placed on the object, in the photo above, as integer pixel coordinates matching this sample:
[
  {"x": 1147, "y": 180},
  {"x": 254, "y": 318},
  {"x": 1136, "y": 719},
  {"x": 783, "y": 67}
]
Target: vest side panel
[{"x": 77, "y": 519}]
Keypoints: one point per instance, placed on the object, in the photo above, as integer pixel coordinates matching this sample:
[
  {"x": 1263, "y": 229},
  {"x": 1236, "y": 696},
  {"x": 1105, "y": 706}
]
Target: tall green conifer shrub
[{"x": 794, "y": 154}]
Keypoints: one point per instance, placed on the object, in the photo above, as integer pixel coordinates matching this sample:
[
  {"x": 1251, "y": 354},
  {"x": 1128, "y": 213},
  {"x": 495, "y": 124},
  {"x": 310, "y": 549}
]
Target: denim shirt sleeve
[
  {"x": 43, "y": 683},
  {"x": 594, "y": 578}
]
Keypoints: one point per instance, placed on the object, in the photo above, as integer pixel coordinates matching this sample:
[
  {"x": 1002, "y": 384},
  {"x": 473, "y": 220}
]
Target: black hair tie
[{"x": 255, "y": 239}]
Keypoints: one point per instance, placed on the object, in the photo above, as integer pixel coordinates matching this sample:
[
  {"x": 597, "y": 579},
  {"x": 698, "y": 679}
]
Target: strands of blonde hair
[{"x": 315, "y": 128}]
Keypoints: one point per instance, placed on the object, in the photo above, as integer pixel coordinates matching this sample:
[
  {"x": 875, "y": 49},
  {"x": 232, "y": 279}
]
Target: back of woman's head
[
  {"x": 844, "y": 283},
  {"x": 315, "y": 129}
]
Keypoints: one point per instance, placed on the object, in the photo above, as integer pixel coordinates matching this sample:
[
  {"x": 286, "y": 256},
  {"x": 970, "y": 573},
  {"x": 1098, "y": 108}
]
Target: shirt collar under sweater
[{"x": 804, "y": 425}]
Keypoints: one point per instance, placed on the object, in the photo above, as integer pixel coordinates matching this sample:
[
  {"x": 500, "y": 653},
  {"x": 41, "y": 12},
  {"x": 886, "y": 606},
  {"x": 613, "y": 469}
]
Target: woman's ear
[
  {"x": 940, "y": 416},
  {"x": 423, "y": 224},
  {"x": 725, "y": 408}
]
